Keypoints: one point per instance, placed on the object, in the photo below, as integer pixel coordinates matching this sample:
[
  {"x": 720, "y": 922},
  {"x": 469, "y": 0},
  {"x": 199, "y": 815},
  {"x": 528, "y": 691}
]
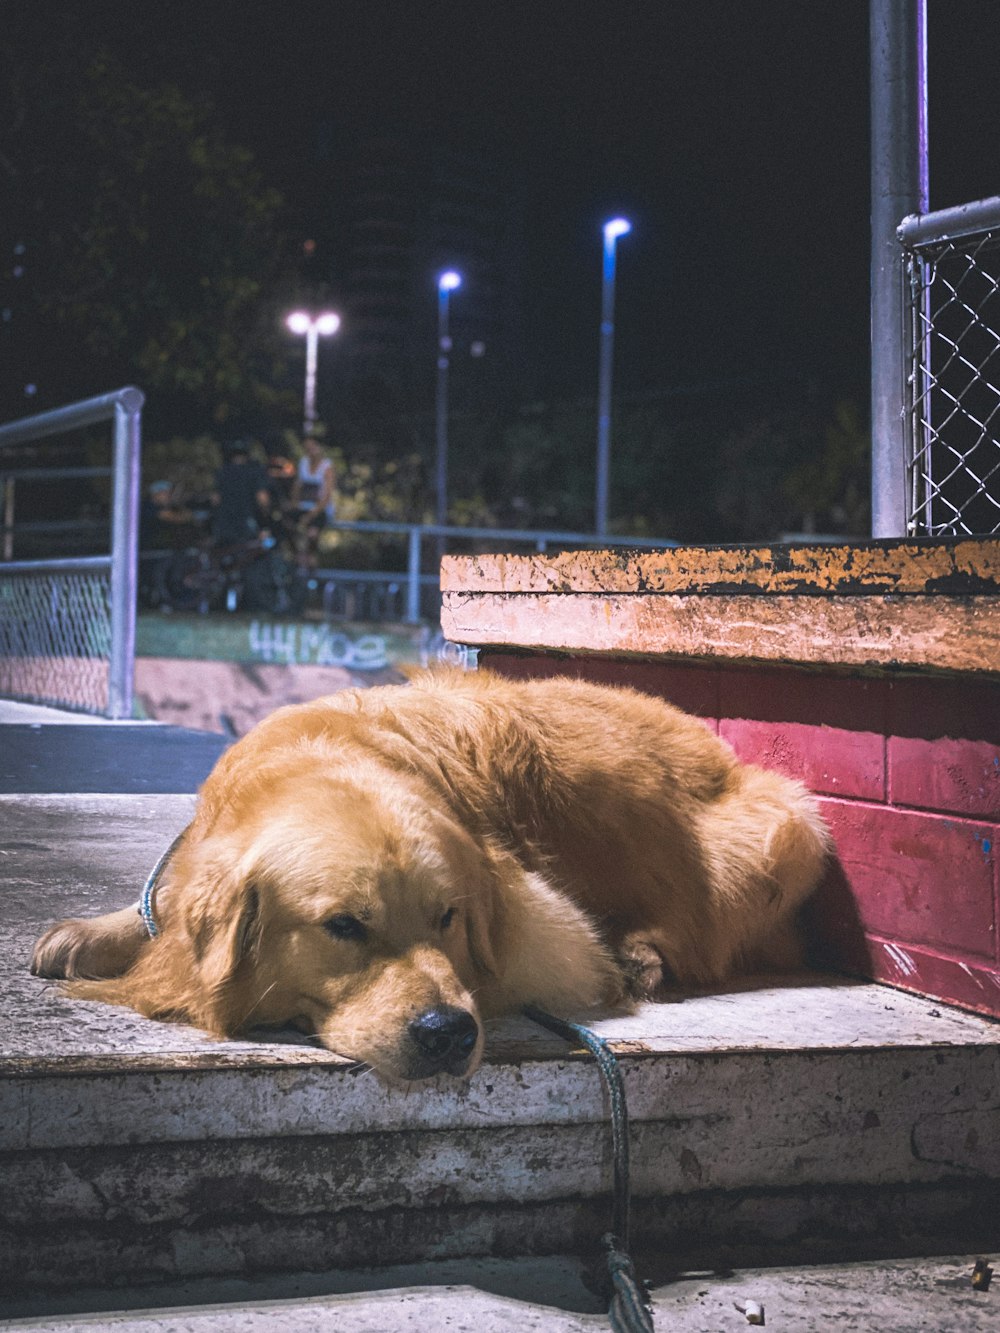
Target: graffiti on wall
[{"x": 318, "y": 645}]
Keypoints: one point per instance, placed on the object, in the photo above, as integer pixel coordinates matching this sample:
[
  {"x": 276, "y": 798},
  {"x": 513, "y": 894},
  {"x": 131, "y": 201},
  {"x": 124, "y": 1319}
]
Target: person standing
[
  {"x": 241, "y": 498},
  {"x": 312, "y": 498}
]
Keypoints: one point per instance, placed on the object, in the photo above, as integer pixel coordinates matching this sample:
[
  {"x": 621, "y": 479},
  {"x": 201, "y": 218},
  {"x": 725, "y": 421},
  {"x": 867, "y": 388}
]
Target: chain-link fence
[
  {"x": 55, "y": 635},
  {"x": 67, "y": 627},
  {"x": 953, "y": 385}
]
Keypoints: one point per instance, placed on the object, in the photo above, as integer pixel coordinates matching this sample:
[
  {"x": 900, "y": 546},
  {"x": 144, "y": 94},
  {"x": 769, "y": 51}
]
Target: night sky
[{"x": 734, "y": 134}]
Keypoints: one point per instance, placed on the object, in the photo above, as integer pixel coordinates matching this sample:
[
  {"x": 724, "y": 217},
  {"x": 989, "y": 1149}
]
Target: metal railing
[
  {"x": 952, "y": 402},
  {"x": 67, "y": 627},
  {"x": 346, "y": 591}
]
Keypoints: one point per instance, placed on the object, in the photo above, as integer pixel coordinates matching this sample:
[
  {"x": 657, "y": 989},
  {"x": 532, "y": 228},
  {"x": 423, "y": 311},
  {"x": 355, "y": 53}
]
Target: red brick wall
[{"x": 908, "y": 770}]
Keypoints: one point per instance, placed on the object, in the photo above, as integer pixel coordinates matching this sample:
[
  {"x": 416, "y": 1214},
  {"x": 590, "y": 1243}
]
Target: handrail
[
  {"x": 52, "y": 473},
  {"x": 124, "y": 406},
  {"x": 948, "y": 224},
  {"x": 72, "y": 417},
  {"x": 75, "y": 564}
]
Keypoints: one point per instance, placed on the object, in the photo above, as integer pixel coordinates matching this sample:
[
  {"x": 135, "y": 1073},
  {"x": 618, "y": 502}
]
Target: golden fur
[{"x": 385, "y": 867}]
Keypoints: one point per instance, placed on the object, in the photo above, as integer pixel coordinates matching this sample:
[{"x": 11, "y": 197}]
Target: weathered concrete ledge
[
  {"x": 919, "y": 567},
  {"x": 743, "y": 1136},
  {"x": 775, "y": 1119},
  {"x": 873, "y": 605}
]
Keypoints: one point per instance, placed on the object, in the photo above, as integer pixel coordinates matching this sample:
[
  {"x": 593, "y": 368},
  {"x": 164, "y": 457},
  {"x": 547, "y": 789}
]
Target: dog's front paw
[
  {"x": 104, "y": 947},
  {"x": 644, "y": 972},
  {"x": 59, "y": 951}
]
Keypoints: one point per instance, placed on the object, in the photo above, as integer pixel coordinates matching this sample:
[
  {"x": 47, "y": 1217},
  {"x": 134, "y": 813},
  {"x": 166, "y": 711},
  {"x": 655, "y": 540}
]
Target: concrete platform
[
  {"x": 800, "y": 1115},
  {"x": 806, "y": 1118}
]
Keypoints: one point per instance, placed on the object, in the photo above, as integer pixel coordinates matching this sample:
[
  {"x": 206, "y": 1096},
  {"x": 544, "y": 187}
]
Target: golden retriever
[{"x": 383, "y": 868}]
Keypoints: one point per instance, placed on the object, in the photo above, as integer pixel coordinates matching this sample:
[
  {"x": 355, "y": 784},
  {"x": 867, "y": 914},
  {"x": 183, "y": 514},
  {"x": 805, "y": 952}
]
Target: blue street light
[
  {"x": 615, "y": 228},
  {"x": 447, "y": 283},
  {"x": 612, "y": 230}
]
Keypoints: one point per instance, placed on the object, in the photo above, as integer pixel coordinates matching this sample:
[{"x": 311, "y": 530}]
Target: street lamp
[
  {"x": 447, "y": 283},
  {"x": 612, "y": 230},
  {"x": 312, "y": 327}
]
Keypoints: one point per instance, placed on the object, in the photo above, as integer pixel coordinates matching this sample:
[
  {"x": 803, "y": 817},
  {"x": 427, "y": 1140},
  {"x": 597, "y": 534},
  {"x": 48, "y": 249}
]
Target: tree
[
  {"x": 832, "y": 487},
  {"x": 150, "y": 248}
]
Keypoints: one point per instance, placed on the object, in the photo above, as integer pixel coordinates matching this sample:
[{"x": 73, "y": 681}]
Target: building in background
[{"x": 401, "y": 213}]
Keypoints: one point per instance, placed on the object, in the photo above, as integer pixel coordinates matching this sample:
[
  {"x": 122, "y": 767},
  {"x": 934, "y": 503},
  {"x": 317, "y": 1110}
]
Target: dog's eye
[
  {"x": 447, "y": 919},
  {"x": 343, "y": 926}
]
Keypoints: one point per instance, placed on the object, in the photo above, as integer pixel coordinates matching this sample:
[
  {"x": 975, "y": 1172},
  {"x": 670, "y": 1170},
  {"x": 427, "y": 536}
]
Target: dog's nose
[{"x": 446, "y": 1037}]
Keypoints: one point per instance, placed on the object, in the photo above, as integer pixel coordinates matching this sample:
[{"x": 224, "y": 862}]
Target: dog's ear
[
  {"x": 484, "y": 928},
  {"x": 223, "y": 924},
  {"x": 477, "y": 871},
  {"x": 486, "y": 916},
  {"x": 225, "y": 938}
]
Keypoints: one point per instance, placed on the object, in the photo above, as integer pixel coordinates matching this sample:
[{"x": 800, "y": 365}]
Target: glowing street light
[
  {"x": 612, "y": 230},
  {"x": 448, "y": 282},
  {"x": 312, "y": 328}
]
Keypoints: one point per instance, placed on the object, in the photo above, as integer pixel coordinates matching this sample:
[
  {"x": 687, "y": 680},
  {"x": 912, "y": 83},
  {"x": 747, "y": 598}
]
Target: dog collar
[{"x": 145, "y": 906}]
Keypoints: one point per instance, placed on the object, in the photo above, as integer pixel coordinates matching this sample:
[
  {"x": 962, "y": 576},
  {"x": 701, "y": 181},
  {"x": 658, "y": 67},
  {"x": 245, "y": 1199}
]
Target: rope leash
[{"x": 629, "y": 1310}]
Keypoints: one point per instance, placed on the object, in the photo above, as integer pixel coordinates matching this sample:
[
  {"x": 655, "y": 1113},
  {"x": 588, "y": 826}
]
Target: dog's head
[{"x": 347, "y": 905}]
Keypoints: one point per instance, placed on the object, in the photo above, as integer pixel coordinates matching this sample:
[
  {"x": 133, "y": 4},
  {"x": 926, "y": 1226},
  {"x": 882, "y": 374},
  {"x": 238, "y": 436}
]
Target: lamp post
[
  {"x": 447, "y": 283},
  {"x": 612, "y": 230},
  {"x": 312, "y": 327}
]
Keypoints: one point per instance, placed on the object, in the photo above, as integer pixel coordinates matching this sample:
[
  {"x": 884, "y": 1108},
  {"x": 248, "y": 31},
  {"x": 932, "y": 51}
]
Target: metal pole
[
  {"x": 441, "y": 411},
  {"x": 124, "y": 555},
  {"x": 8, "y": 519},
  {"x": 309, "y": 414},
  {"x": 899, "y": 186},
  {"x": 604, "y": 385},
  {"x": 413, "y": 577}
]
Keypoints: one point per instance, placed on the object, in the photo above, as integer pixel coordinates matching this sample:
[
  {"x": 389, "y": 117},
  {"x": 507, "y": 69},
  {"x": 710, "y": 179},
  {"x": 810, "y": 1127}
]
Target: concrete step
[
  {"x": 780, "y": 1120},
  {"x": 543, "y": 1294}
]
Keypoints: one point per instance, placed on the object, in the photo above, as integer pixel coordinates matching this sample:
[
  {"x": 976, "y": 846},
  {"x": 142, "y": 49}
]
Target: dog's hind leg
[
  {"x": 104, "y": 946},
  {"x": 766, "y": 845}
]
